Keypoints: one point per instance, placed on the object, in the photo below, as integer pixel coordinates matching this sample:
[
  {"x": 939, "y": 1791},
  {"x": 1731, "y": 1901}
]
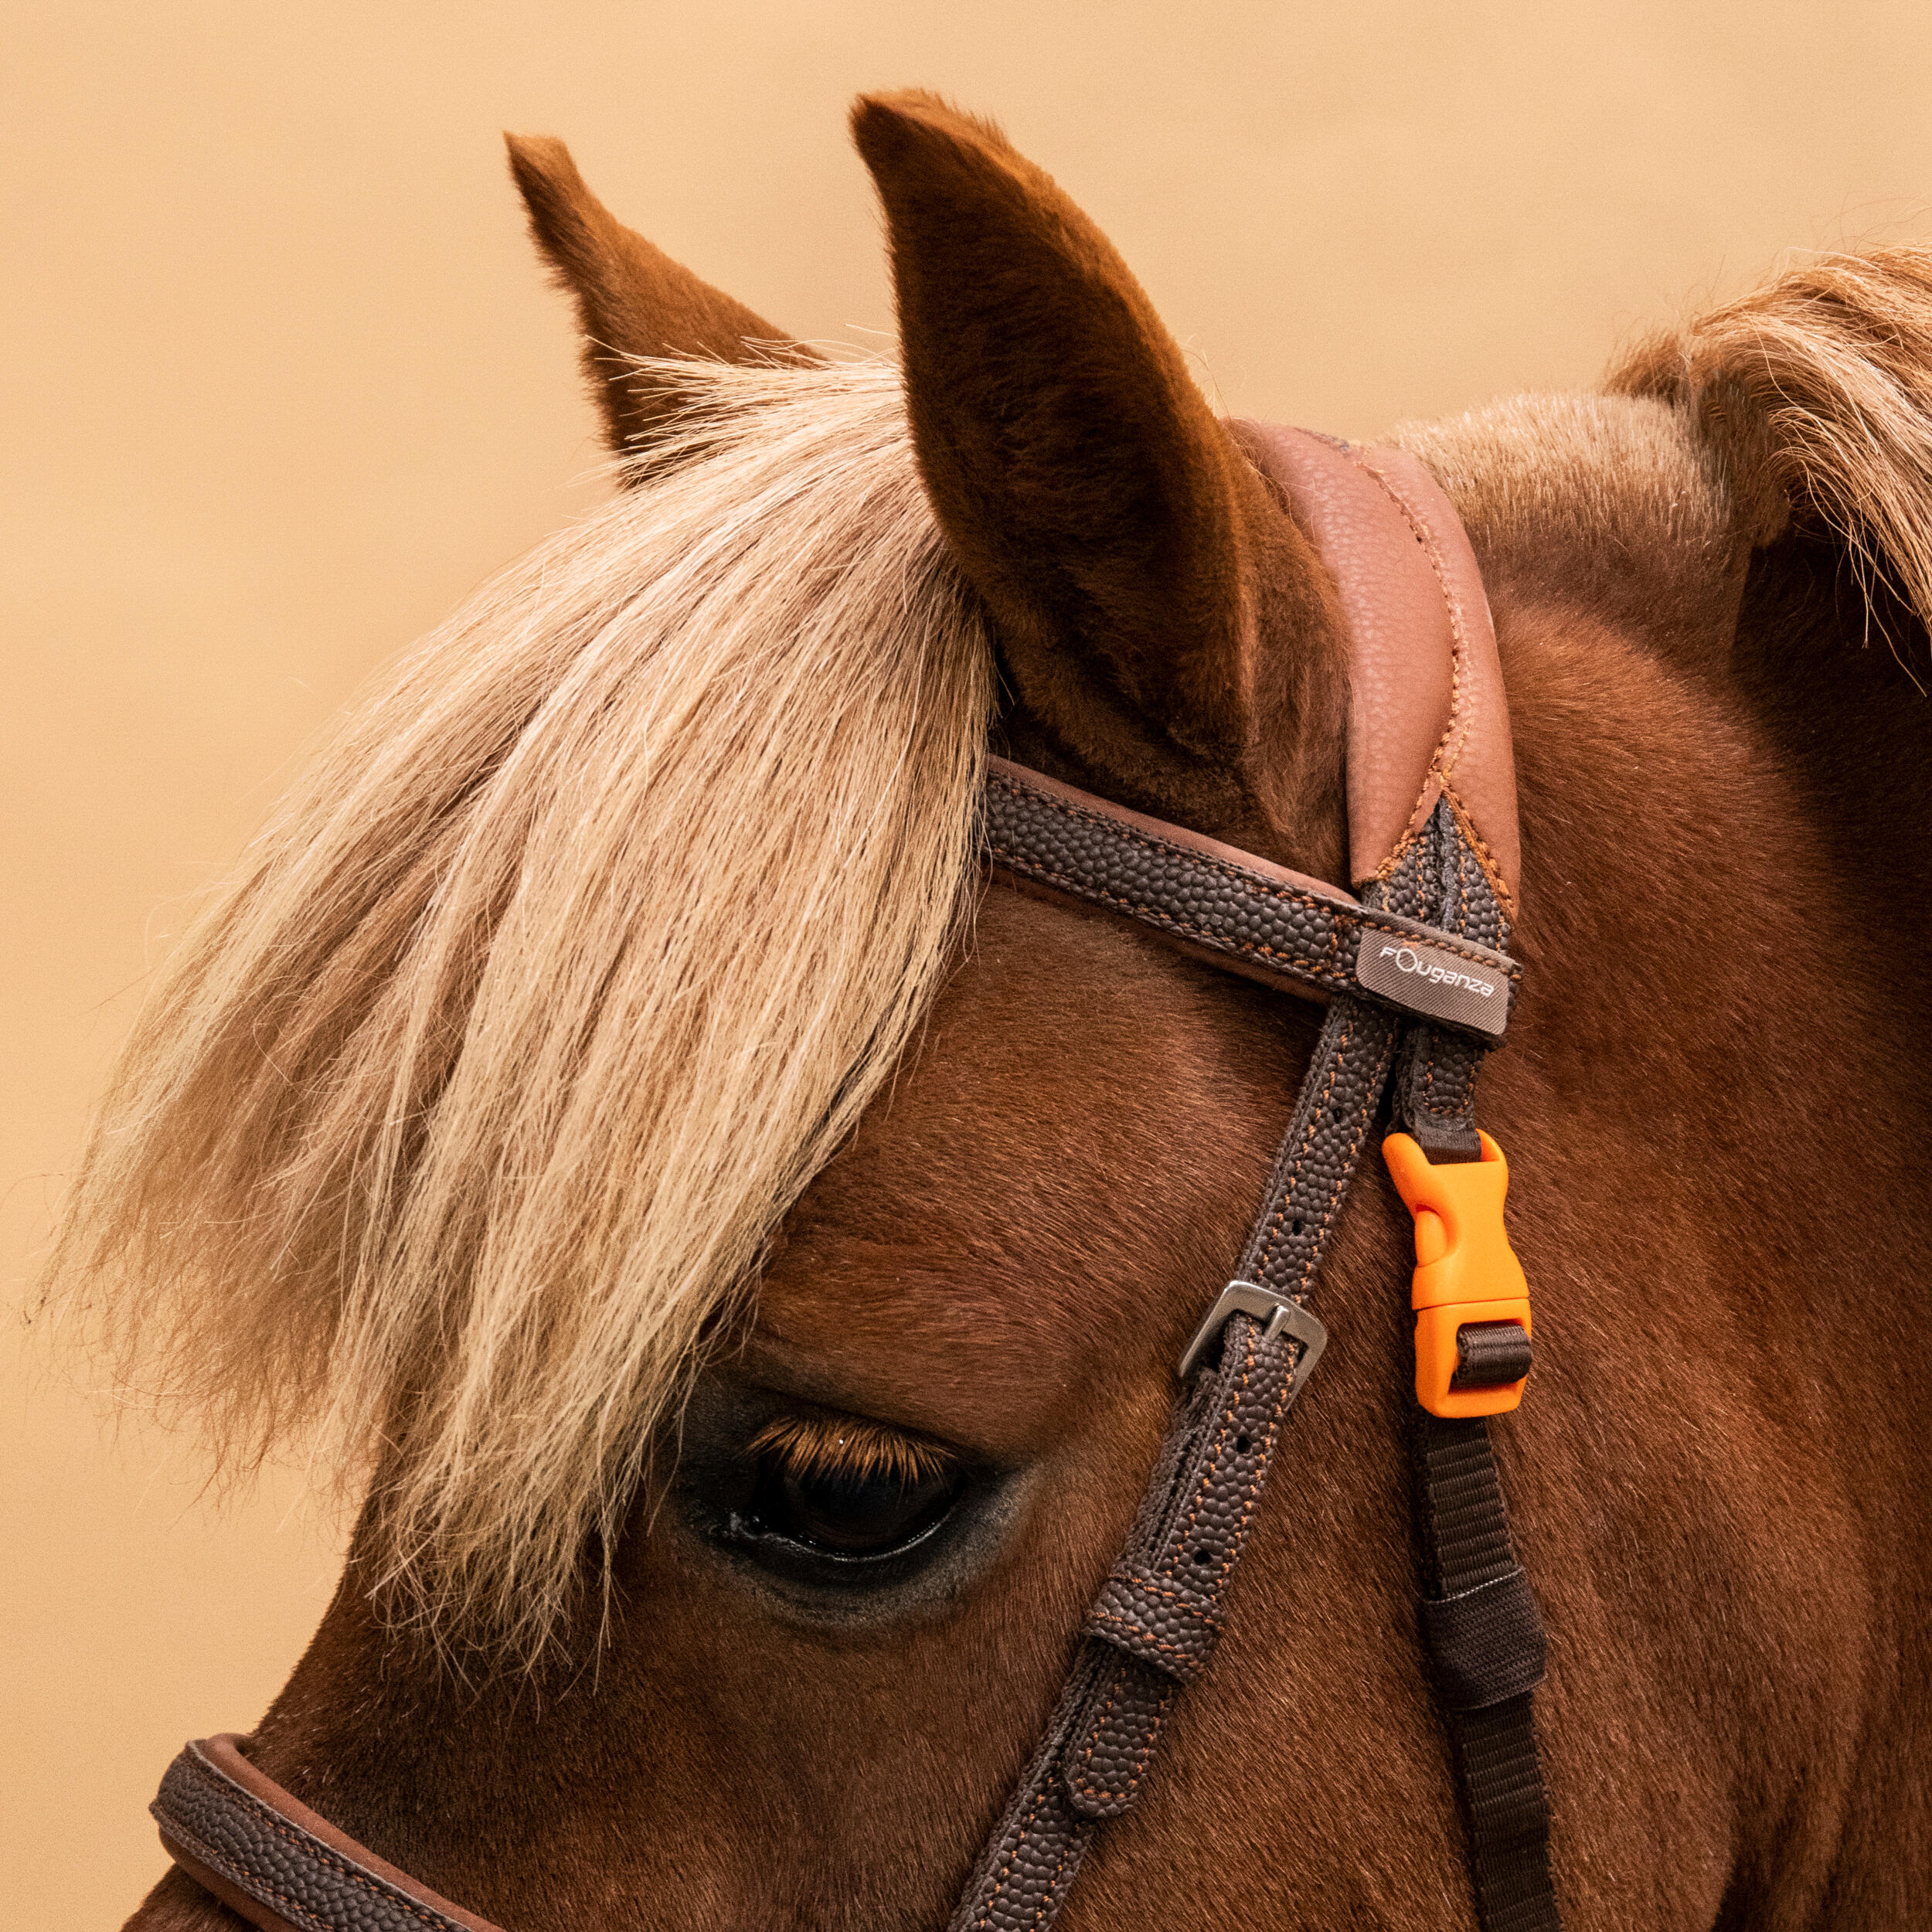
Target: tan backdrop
[{"x": 284, "y": 383}]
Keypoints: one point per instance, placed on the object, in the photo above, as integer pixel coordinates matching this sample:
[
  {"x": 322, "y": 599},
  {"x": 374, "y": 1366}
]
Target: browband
[{"x": 1239, "y": 912}]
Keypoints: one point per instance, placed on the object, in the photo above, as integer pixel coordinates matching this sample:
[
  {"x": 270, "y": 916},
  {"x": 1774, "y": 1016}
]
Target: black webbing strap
[
  {"x": 1480, "y": 1621},
  {"x": 1159, "y": 1613},
  {"x": 1486, "y": 1641}
]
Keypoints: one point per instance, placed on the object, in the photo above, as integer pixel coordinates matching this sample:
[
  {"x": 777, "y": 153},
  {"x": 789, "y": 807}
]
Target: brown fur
[
  {"x": 561, "y": 905},
  {"x": 634, "y": 303},
  {"x": 1162, "y": 623},
  {"x": 1714, "y": 1098}
]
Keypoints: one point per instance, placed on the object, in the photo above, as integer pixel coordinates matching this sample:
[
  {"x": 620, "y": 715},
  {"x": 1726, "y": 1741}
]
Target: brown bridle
[{"x": 1415, "y": 967}]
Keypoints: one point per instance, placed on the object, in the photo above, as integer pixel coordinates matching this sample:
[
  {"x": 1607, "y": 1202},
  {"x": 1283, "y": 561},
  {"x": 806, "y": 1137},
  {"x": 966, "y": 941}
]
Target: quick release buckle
[
  {"x": 1466, "y": 1278},
  {"x": 1274, "y": 1311}
]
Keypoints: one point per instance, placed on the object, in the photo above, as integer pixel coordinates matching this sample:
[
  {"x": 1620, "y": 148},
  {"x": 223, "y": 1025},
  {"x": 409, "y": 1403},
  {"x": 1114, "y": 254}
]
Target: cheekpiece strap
[
  {"x": 1418, "y": 983},
  {"x": 1158, "y": 1615}
]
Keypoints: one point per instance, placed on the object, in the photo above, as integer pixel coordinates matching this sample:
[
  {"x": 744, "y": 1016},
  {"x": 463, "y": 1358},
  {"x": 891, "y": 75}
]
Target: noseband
[{"x": 1414, "y": 966}]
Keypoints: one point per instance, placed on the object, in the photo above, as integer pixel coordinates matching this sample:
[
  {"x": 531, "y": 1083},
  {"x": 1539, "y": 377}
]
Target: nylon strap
[
  {"x": 1159, "y": 1613},
  {"x": 1480, "y": 1622}
]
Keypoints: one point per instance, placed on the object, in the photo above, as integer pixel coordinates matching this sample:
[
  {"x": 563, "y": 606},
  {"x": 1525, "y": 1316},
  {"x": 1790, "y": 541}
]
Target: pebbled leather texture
[
  {"x": 1154, "y": 1625},
  {"x": 1162, "y": 1601},
  {"x": 250, "y": 1843},
  {"x": 1334, "y": 1116},
  {"x": 1480, "y": 1623},
  {"x": 1233, "y": 909},
  {"x": 1157, "y": 1619},
  {"x": 1105, "y": 1768},
  {"x": 1436, "y": 1072},
  {"x": 1158, "y": 1614}
]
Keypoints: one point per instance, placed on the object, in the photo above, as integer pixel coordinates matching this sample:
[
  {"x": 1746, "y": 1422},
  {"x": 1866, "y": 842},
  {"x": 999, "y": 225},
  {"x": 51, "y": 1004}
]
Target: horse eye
[{"x": 850, "y": 1513}]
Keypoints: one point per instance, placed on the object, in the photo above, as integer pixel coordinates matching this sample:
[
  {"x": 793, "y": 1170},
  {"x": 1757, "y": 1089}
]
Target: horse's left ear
[
  {"x": 632, "y": 299},
  {"x": 1155, "y": 609}
]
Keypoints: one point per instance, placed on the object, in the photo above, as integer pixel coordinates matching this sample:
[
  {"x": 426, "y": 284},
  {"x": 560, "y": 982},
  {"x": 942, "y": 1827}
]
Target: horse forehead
[{"x": 1067, "y": 1161}]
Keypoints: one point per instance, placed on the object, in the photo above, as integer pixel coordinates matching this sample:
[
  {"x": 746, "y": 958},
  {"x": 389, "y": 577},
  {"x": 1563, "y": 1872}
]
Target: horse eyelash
[{"x": 834, "y": 1446}]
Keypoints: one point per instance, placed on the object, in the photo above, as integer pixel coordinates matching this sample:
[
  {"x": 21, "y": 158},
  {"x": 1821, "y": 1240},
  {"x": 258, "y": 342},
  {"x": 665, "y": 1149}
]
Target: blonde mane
[
  {"x": 1807, "y": 402},
  {"x": 461, "y": 1120}
]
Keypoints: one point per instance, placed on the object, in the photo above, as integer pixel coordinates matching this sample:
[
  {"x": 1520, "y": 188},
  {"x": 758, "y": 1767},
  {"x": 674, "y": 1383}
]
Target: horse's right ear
[{"x": 632, "y": 299}]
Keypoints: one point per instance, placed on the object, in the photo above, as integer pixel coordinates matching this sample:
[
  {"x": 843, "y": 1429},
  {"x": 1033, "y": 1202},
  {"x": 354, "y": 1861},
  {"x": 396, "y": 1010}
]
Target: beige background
[{"x": 283, "y": 383}]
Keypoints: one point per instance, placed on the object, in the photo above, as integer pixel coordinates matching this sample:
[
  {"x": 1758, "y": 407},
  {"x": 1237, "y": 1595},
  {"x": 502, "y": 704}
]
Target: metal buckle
[{"x": 1277, "y": 1311}]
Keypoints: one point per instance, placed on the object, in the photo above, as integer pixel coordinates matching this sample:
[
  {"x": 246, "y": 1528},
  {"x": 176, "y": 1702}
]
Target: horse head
[{"x": 745, "y": 1251}]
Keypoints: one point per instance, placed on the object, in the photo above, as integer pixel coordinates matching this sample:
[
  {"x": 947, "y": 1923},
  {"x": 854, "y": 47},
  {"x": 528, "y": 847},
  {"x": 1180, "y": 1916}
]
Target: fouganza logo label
[
  {"x": 1408, "y": 960},
  {"x": 1434, "y": 981}
]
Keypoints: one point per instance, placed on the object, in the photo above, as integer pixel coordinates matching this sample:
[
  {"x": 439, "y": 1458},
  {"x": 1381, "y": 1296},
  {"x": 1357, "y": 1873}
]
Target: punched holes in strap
[
  {"x": 1100, "y": 1744},
  {"x": 1159, "y": 1611},
  {"x": 1161, "y": 1603}
]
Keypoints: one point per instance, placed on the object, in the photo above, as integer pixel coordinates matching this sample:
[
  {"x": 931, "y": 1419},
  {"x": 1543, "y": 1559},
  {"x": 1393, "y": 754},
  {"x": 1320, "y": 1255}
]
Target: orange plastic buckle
[{"x": 1465, "y": 1269}]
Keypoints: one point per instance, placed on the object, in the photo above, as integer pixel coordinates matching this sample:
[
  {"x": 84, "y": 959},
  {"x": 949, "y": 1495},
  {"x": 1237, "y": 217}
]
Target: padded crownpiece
[{"x": 1428, "y": 717}]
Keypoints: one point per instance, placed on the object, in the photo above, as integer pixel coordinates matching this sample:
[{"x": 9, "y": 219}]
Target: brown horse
[{"x": 609, "y": 1100}]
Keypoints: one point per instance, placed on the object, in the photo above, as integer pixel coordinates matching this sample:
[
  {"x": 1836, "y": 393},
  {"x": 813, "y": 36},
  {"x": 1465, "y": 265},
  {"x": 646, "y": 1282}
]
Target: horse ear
[
  {"x": 1134, "y": 562},
  {"x": 632, "y": 299}
]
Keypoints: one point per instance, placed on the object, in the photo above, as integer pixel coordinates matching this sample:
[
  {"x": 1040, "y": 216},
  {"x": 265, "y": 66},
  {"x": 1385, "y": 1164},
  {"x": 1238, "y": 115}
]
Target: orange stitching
[
  {"x": 1039, "y": 1800},
  {"x": 1424, "y": 534},
  {"x": 1340, "y": 916},
  {"x": 1140, "y": 1631},
  {"x": 1492, "y": 870},
  {"x": 1344, "y": 912},
  {"x": 1234, "y": 874},
  {"x": 1166, "y": 1596},
  {"x": 1260, "y": 1468},
  {"x": 1214, "y": 1458},
  {"x": 1140, "y": 1762},
  {"x": 1100, "y": 1722},
  {"x": 246, "y": 1878},
  {"x": 1155, "y": 915},
  {"x": 1363, "y": 1115},
  {"x": 1307, "y": 1137},
  {"x": 226, "y": 1788},
  {"x": 1052, "y": 1885},
  {"x": 1440, "y": 764},
  {"x": 1447, "y": 943}
]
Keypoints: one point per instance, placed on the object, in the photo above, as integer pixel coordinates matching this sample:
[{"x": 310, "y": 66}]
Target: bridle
[{"x": 1415, "y": 971}]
